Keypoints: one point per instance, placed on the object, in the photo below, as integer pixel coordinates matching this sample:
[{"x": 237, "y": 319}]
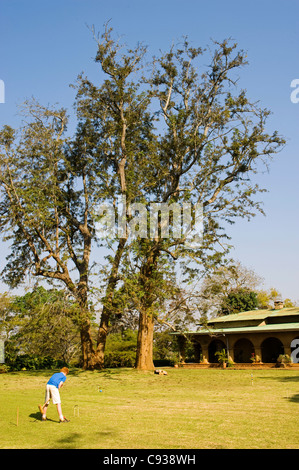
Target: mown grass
[{"x": 187, "y": 409}]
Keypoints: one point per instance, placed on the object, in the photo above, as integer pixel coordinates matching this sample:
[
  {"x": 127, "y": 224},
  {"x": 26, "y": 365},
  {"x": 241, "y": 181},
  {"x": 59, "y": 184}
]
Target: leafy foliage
[
  {"x": 121, "y": 349},
  {"x": 239, "y": 300},
  {"x": 46, "y": 326},
  {"x": 28, "y": 362}
]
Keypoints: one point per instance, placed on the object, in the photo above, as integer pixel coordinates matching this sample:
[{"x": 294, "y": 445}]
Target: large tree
[
  {"x": 115, "y": 128},
  {"x": 44, "y": 215},
  {"x": 214, "y": 141},
  {"x": 54, "y": 187},
  {"x": 218, "y": 284}
]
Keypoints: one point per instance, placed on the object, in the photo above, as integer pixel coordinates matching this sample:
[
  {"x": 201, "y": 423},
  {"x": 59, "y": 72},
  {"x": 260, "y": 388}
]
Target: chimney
[{"x": 278, "y": 304}]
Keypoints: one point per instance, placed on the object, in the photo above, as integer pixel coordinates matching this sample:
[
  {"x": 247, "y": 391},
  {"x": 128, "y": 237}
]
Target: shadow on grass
[
  {"x": 69, "y": 441},
  {"x": 294, "y": 398},
  {"x": 289, "y": 378},
  {"x": 38, "y": 417}
]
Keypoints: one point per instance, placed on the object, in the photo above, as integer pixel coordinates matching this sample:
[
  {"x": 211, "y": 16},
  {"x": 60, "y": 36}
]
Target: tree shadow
[
  {"x": 294, "y": 398},
  {"x": 289, "y": 378},
  {"x": 70, "y": 440}
]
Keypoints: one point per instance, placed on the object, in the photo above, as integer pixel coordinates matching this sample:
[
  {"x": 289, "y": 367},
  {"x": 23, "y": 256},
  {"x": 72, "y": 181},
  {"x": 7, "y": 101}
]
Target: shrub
[
  {"x": 284, "y": 359},
  {"x": 120, "y": 359},
  {"x": 27, "y": 362},
  {"x": 166, "y": 349},
  {"x": 121, "y": 349}
]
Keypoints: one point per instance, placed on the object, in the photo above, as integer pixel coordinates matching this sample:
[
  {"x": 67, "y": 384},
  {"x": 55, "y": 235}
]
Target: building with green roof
[{"x": 258, "y": 336}]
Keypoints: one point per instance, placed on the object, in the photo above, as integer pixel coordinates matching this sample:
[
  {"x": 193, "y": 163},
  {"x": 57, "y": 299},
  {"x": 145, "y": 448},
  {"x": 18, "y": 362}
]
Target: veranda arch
[
  {"x": 216, "y": 345},
  {"x": 243, "y": 350},
  {"x": 271, "y": 348}
]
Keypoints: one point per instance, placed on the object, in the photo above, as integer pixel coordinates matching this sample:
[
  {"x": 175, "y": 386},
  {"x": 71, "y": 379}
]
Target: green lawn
[{"x": 187, "y": 409}]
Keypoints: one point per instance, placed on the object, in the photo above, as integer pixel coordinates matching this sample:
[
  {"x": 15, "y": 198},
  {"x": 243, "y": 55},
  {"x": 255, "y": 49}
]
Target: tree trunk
[
  {"x": 108, "y": 307},
  {"x": 144, "y": 355},
  {"x": 92, "y": 358},
  {"x": 102, "y": 337},
  {"x": 87, "y": 345},
  {"x": 145, "y": 338}
]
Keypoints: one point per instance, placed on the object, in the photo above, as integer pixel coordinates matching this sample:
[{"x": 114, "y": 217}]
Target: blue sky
[{"x": 45, "y": 44}]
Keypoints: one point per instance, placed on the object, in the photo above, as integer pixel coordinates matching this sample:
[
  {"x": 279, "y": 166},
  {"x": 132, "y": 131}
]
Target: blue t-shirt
[{"x": 56, "y": 379}]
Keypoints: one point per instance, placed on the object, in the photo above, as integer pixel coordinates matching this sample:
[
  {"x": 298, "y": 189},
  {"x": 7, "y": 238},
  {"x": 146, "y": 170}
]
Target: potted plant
[
  {"x": 255, "y": 358},
  {"x": 283, "y": 360},
  {"x": 222, "y": 358}
]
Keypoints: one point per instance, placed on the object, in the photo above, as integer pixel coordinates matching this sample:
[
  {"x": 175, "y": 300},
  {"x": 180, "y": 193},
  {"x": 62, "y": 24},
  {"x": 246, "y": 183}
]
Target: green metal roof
[
  {"x": 260, "y": 315},
  {"x": 256, "y": 315},
  {"x": 248, "y": 329}
]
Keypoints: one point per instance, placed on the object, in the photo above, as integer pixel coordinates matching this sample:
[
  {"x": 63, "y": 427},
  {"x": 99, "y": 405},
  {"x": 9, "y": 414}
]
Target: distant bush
[
  {"x": 120, "y": 359},
  {"x": 121, "y": 349},
  {"x": 165, "y": 349},
  {"x": 28, "y": 362}
]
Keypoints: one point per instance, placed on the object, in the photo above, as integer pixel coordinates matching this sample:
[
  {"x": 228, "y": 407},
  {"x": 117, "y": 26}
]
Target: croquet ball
[{"x": 101, "y": 390}]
